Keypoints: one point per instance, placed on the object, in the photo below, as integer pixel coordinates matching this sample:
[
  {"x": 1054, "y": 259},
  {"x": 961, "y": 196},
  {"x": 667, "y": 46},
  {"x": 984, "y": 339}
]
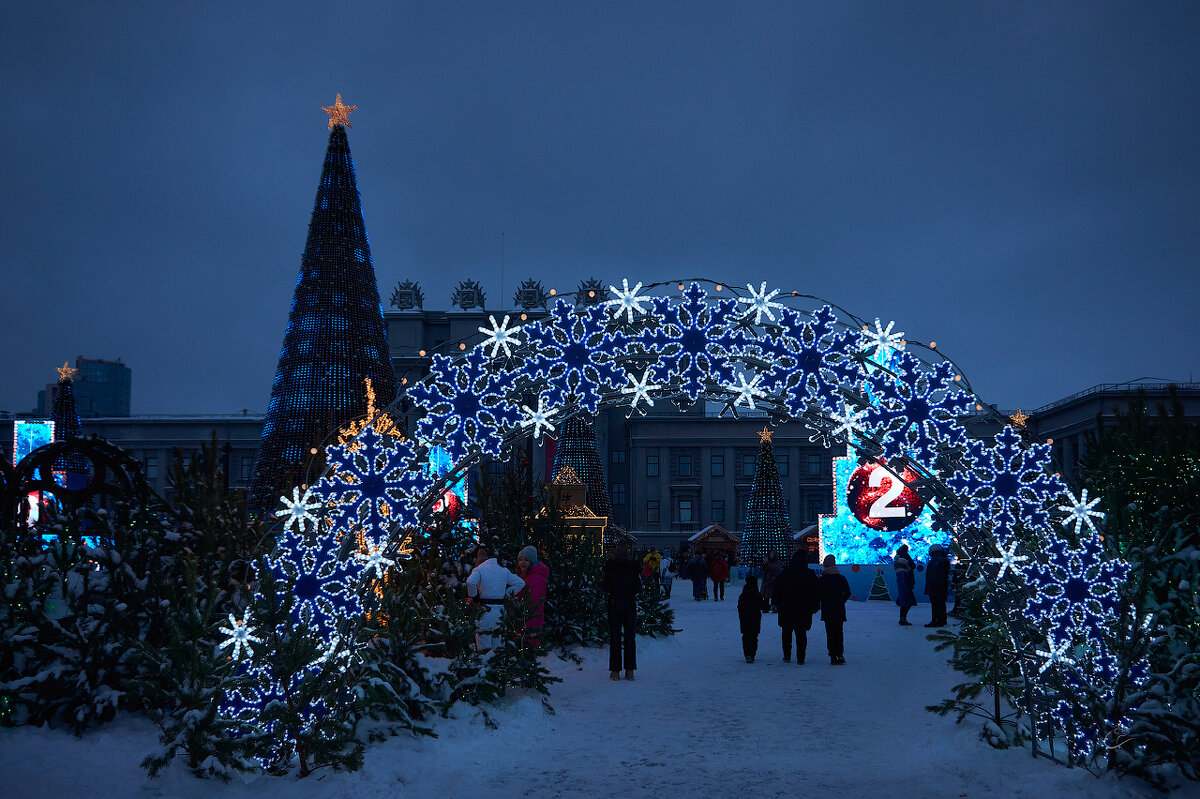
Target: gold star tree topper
[
  {"x": 338, "y": 114},
  {"x": 66, "y": 374},
  {"x": 764, "y": 435},
  {"x": 1019, "y": 419}
]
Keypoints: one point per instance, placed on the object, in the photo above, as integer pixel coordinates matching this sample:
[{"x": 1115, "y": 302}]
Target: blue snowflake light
[
  {"x": 1007, "y": 482},
  {"x": 466, "y": 403},
  {"x": 1076, "y": 589}
]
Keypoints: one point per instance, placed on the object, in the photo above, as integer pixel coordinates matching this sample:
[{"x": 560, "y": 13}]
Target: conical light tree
[
  {"x": 335, "y": 336},
  {"x": 766, "y": 529},
  {"x": 67, "y": 426},
  {"x": 577, "y": 450}
]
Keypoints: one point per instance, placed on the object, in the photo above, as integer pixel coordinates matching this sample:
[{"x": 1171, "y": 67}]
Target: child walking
[{"x": 750, "y": 609}]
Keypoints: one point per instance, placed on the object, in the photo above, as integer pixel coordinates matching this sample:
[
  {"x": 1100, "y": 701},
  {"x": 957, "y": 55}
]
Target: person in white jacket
[{"x": 488, "y": 584}]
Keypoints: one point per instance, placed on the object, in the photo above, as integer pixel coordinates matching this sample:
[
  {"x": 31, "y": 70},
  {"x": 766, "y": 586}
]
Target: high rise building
[
  {"x": 335, "y": 339},
  {"x": 100, "y": 388}
]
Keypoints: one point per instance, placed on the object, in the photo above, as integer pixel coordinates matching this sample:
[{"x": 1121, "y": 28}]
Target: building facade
[{"x": 101, "y": 388}]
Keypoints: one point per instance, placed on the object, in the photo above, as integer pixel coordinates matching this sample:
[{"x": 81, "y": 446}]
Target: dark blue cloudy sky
[{"x": 1018, "y": 181}]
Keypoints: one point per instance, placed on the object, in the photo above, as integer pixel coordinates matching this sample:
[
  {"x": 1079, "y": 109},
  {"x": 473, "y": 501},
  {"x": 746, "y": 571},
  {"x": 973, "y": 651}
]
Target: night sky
[{"x": 1018, "y": 181}]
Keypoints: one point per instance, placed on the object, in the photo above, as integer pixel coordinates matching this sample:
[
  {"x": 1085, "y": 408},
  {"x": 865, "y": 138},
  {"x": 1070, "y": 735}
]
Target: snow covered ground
[{"x": 697, "y": 721}]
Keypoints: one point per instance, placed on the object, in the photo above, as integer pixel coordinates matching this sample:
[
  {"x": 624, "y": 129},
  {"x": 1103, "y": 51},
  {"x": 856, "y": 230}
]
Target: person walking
[
  {"x": 536, "y": 575},
  {"x": 666, "y": 574},
  {"x": 906, "y": 571},
  {"x": 937, "y": 584},
  {"x": 718, "y": 572},
  {"x": 487, "y": 585},
  {"x": 750, "y": 607},
  {"x": 772, "y": 567},
  {"x": 797, "y": 598},
  {"x": 622, "y": 584},
  {"x": 697, "y": 572},
  {"x": 835, "y": 590}
]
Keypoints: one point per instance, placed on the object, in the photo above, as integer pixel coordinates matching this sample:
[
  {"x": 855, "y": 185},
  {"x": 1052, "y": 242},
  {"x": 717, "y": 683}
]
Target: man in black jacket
[
  {"x": 937, "y": 584},
  {"x": 797, "y": 597},
  {"x": 622, "y": 582}
]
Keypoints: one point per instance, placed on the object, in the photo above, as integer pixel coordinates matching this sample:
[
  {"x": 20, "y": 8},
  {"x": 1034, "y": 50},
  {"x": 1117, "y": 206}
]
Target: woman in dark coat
[
  {"x": 772, "y": 567},
  {"x": 906, "y": 572},
  {"x": 750, "y": 608},
  {"x": 835, "y": 590},
  {"x": 697, "y": 572},
  {"x": 937, "y": 584},
  {"x": 797, "y": 598},
  {"x": 622, "y": 584}
]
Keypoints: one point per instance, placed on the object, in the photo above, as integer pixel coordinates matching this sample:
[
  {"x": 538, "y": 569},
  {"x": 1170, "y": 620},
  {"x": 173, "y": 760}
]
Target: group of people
[
  {"x": 700, "y": 569},
  {"x": 937, "y": 583},
  {"x": 489, "y": 584},
  {"x": 796, "y": 594}
]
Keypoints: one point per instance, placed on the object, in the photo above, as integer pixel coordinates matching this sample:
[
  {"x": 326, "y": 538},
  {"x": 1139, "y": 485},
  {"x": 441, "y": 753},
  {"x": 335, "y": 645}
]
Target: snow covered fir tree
[{"x": 287, "y": 636}]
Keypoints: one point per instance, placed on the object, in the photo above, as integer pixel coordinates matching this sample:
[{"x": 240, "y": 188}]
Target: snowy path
[{"x": 697, "y": 721}]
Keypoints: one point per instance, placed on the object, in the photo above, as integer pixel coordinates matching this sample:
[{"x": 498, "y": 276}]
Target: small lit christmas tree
[
  {"x": 72, "y": 468},
  {"x": 766, "y": 529},
  {"x": 577, "y": 451}
]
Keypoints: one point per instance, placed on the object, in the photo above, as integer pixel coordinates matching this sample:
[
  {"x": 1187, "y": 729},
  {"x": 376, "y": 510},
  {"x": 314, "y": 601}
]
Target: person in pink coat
[{"x": 537, "y": 577}]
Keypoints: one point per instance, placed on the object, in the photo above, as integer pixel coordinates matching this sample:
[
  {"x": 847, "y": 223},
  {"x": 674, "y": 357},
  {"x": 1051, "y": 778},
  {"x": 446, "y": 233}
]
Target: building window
[
  {"x": 685, "y": 465},
  {"x": 618, "y": 493},
  {"x": 152, "y": 467},
  {"x": 685, "y": 511},
  {"x": 652, "y": 511},
  {"x": 815, "y": 509},
  {"x": 781, "y": 464},
  {"x": 718, "y": 511},
  {"x": 718, "y": 465},
  {"x": 652, "y": 466},
  {"x": 247, "y": 466},
  {"x": 618, "y": 456},
  {"x": 748, "y": 465},
  {"x": 814, "y": 464}
]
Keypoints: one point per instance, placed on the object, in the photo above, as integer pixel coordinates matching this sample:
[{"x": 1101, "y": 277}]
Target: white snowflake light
[
  {"x": 335, "y": 653},
  {"x": 848, "y": 421},
  {"x": 760, "y": 302},
  {"x": 241, "y": 634},
  {"x": 883, "y": 340},
  {"x": 1055, "y": 653},
  {"x": 1008, "y": 559},
  {"x": 298, "y": 510},
  {"x": 373, "y": 559},
  {"x": 537, "y": 419},
  {"x": 640, "y": 389},
  {"x": 1080, "y": 512},
  {"x": 627, "y": 300},
  {"x": 500, "y": 336},
  {"x": 747, "y": 391}
]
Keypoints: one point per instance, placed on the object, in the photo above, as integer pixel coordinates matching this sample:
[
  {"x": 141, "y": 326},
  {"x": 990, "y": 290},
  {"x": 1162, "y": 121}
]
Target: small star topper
[
  {"x": 764, "y": 435},
  {"x": 338, "y": 114},
  {"x": 1019, "y": 418},
  {"x": 66, "y": 374}
]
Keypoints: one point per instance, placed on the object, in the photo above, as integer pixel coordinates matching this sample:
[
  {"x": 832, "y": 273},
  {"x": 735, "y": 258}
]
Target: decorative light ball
[
  {"x": 933, "y": 345},
  {"x": 462, "y": 345},
  {"x": 591, "y": 292},
  {"x": 681, "y": 287},
  {"x": 719, "y": 287},
  {"x": 421, "y": 353},
  {"x": 312, "y": 451},
  {"x": 553, "y": 292},
  {"x": 524, "y": 317},
  {"x": 880, "y": 501}
]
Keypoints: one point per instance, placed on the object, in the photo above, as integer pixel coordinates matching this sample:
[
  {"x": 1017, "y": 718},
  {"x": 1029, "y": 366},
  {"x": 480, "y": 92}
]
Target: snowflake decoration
[
  {"x": 627, "y": 300},
  {"x": 1076, "y": 589},
  {"x": 241, "y": 635},
  {"x": 467, "y": 405},
  {"x": 1080, "y": 512},
  {"x": 373, "y": 559},
  {"x": 371, "y": 484},
  {"x": 1008, "y": 559},
  {"x": 746, "y": 392},
  {"x": 537, "y": 419},
  {"x": 640, "y": 389},
  {"x": 917, "y": 409},
  {"x": 572, "y": 355},
  {"x": 500, "y": 337},
  {"x": 883, "y": 341},
  {"x": 324, "y": 588},
  {"x": 1055, "y": 652},
  {"x": 808, "y": 362},
  {"x": 298, "y": 511},
  {"x": 760, "y": 303},
  {"x": 1007, "y": 482},
  {"x": 695, "y": 342},
  {"x": 849, "y": 421}
]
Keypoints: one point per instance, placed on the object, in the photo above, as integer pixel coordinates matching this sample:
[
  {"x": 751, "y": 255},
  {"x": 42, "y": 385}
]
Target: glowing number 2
[{"x": 882, "y": 507}]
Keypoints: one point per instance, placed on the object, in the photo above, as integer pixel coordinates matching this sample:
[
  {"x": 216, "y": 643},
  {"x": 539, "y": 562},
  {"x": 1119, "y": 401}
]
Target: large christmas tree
[
  {"x": 72, "y": 468},
  {"x": 577, "y": 450},
  {"x": 335, "y": 336},
  {"x": 766, "y": 529}
]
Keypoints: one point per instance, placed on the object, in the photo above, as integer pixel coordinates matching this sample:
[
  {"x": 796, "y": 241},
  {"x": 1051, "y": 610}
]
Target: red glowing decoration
[{"x": 881, "y": 501}]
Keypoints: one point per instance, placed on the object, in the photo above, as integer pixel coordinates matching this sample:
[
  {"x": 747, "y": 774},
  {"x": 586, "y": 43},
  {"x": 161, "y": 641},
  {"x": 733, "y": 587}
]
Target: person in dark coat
[
  {"x": 906, "y": 572},
  {"x": 797, "y": 598},
  {"x": 622, "y": 584},
  {"x": 750, "y": 607},
  {"x": 772, "y": 567},
  {"x": 697, "y": 572},
  {"x": 937, "y": 584},
  {"x": 835, "y": 590},
  {"x": 718, "y": 571}
]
